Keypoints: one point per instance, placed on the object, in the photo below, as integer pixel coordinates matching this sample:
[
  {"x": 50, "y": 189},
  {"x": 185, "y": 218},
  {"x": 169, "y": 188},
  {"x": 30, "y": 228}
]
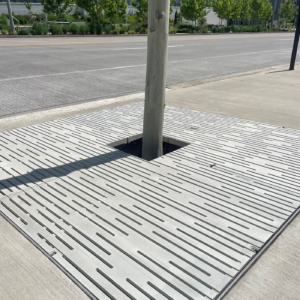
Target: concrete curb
[{"x": 51, "y": 114}]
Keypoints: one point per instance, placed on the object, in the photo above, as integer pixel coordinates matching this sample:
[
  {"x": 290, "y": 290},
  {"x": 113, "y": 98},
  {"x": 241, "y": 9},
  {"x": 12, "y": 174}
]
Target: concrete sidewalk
[{"x": 270, "y": 97}]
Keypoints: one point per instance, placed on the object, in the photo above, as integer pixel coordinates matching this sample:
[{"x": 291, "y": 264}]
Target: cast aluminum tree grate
[{"x": 179, "y": 227}]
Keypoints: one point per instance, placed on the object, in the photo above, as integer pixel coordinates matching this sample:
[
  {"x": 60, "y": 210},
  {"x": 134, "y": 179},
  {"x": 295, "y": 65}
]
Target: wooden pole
[{"x": 157, "y": 54}]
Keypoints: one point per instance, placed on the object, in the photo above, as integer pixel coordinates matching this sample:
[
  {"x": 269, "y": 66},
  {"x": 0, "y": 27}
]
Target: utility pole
[
  {"x": 157, "y": 54},
  {"x": 11, "y": 21},
  {"x": 296, "y": 42}
]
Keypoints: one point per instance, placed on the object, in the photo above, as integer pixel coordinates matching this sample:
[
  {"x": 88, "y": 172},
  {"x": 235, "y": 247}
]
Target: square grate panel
[{"x": 179, "y": 227}]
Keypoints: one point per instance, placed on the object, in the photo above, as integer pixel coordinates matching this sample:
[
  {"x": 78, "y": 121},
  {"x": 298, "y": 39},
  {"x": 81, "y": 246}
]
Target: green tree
[
  {"x": 288, "y": 10},
  {"x": 94, "y": 8},
  {"x": 171, "y": 5},
  {"x": 58, "y": 7},
  {"x": 267, "y": 11},
  {"x": 28, "y": 5},
  {"x": 245, "y": 10},
  {"x": 236, "y": 9},
  {"x": 194, "y": 10},
  {"x": 142, "y": 10},
  {"x": 261, "y": 10},
  {"x": 115, "y": 9},
  {"x": 217, "y": 7},
  {"x": 227, "y": 9}
]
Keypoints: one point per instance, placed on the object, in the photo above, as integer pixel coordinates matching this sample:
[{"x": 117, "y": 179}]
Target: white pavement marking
[
  {"x": 133, "y": 66},
  {"x": 74, "y": 72}
]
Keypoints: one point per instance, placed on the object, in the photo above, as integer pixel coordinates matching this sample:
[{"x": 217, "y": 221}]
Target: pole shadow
[{"x": 41, "y": 174}]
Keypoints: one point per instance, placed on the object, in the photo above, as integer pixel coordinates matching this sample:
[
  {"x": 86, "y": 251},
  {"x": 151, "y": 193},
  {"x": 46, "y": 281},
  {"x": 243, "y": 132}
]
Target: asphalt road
[{"x": 40, "y": 73}]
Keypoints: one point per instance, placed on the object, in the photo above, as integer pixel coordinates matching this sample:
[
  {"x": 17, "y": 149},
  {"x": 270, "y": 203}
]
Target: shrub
[
  {"x": 52, "y": 18},
  {"x": 92, "y": 28},
  {"x": 221, "y": 29},
  {"x": 182, "y": 31},
  {"x": 107, "y": 29},
  {"x": 131, "y": 32},
  {"x": 173, "y": 31},
  {"x": 227, "y": 29},
  {"x": 99, "y": 28},
  {"x": 276, "y": 29},
  {"x": 4, "y": 31},
  {"x": 114, "y": 32},
  {"x": 214, "y": 29},
  {"x": 64, "y": 29},
  {"x": 68, "y": 18},
  {"x": 204, "y": 30},
  {"x": 122, "y": 31},
  {"x": 45, "y": 28},
  {"x": 73, "y": 28},
  {"x": 189, "y": 28},
  {"x": 23, "y": 32},
  {"x": 143, "y": 30},
  {"x": 55, "y": 29},
  {"x": 237, "y": 28},
  {"x": 22, "y": 19},
  {"x": 106, "y": 22},
  {"x": 82, "y": 29},
  {"x": 247, "y": 28},
  {"x": 39, "y": 28}
]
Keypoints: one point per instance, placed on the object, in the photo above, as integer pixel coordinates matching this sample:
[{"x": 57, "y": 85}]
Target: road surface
[{"x": 41, "y": 73}]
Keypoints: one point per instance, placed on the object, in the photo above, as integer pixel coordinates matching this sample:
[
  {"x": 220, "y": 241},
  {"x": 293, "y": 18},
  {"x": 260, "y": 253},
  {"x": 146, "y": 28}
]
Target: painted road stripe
[
  {"x": 133, "y": 66},
  {"x": 144, "y": 48}
]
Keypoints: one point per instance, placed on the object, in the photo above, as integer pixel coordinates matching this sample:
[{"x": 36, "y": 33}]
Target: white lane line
[
  {"x": 75, "y": 72},
  {"x": 133, "y": 66},
  {"x": 120, "y": 49}
]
